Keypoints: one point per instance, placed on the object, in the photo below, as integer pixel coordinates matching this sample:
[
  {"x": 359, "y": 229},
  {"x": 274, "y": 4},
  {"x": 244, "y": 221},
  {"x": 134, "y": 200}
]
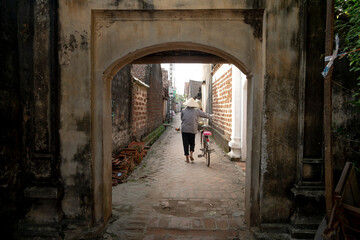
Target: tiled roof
[{"x": 139, "y": 71}]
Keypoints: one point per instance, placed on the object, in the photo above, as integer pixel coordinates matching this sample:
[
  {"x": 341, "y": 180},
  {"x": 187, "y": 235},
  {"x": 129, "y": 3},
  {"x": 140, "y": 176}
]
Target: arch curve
[
  {"x": 110, "y": 72},
  {"x": 119, "y": 39}
]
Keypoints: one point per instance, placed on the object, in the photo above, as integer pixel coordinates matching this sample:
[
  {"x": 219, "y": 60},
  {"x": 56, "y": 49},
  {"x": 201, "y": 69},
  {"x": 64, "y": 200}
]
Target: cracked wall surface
[{"x": 69, "y": 52}]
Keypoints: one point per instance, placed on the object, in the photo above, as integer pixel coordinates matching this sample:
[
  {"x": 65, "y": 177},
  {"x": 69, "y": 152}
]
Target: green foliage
[
  {"x": 179, "y": 98},
  {"x": 347, "y": 25},
  {"x": 154, "y": 135}
]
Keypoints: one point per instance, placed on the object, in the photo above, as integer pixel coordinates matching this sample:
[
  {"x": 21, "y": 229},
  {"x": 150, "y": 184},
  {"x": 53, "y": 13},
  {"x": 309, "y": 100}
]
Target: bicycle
[{"x": 205, "y": 143}]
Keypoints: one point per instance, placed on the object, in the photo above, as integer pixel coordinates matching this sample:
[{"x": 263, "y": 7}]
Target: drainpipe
[{"x": 329, "y": 43}]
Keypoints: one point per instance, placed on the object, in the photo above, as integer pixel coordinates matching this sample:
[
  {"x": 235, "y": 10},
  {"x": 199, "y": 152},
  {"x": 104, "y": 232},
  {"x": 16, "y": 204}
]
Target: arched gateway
[
  {"x": 120, "y": 37},
  {"x": 265, "y": 39}
]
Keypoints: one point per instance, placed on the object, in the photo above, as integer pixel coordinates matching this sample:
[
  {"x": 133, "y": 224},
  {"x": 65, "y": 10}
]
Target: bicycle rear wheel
[
  {"x": 207, "y": 156},
  {"x": 204, "y": 147}
]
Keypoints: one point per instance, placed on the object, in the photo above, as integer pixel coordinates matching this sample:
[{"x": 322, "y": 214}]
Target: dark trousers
[{"x": 188, "y": 140}]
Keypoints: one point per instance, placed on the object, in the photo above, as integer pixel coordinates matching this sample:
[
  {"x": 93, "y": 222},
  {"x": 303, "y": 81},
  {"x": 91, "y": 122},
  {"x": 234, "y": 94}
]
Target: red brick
[{"x": 209, "y": 223}]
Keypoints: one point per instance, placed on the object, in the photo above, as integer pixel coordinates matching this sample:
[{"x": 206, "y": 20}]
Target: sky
[{"x": 184, "y": 72}]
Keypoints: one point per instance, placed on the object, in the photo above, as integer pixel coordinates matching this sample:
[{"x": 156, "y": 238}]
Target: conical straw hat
[{"x": 191, "y": 103}]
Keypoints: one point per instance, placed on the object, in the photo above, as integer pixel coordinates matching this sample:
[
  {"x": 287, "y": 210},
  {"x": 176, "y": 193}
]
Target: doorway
[
  {"x": 113, "y": 50},
  {"x": 164, "y": 195}
]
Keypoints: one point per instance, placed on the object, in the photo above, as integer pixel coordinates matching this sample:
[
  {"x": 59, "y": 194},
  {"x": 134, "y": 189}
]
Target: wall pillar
[
  {"x": 308, "y": 191},
  {"x": 43, "y": 188},
  {"x": 244, "y": 117},
  {"x": 236, "y": 108}
]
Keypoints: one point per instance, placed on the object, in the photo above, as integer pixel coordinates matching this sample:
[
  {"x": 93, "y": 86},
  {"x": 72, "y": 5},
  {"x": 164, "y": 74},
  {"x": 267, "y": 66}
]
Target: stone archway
[
  {"x": 106, "y": 65},
  {"x": 259, "y": 37}
]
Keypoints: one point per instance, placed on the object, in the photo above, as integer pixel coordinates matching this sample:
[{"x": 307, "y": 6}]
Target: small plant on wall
[{"x": 347, "y": 25}]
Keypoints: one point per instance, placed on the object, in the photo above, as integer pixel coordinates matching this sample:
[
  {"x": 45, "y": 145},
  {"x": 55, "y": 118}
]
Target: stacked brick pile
[
  {"x": 120, "y": 168},
  {"x": 124, "y": 163}
]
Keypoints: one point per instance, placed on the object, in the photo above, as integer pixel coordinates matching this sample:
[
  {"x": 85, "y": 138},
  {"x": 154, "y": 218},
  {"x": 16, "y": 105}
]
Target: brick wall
[
  {"x": 121, "y": 109},
  {"x": 222, "y": 101},
  {"x": 155, "y": 96},
  {"x": 139, "y": 110},
  {"x": 151, "y": 75}
]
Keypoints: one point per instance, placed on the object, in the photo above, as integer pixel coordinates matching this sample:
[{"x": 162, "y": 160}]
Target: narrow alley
[
  {"x": 167, "y": 198},
  {"x": 82, "y": 82}
]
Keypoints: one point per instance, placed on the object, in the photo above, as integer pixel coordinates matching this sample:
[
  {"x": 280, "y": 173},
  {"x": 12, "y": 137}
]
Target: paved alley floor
[{"x": 167, "y": 198}]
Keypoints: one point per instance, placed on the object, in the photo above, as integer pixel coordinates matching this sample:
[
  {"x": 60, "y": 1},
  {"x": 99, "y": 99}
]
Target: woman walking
[{"x": 189, "y": 126}]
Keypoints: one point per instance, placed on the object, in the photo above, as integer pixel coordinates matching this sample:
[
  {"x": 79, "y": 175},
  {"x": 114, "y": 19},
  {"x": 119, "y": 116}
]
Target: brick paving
[{"x": 167, "y": 198}]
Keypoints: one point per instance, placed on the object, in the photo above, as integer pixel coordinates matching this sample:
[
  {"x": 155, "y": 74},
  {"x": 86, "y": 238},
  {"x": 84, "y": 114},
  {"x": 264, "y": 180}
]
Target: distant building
[
  {"x": 139, "y": 71},
  {"x": 166, "y": 84},
  {"x": 186, "y": 89},
  {"x": 192, "y": 89}
]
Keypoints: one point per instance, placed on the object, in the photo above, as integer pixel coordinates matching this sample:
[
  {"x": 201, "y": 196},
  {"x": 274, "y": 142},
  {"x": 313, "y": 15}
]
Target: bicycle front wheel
[{"x": 207, "y": 155}]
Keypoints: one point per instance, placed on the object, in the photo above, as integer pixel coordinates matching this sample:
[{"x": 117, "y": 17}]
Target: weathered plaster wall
[
  {"x": 280, "y": 120},
  {"x": 76, "y": 166},
  {"x": 121, "y": 91}
]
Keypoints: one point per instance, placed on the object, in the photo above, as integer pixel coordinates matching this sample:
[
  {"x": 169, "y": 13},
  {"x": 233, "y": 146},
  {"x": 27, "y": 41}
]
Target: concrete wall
[{"x": 121, "y": 92}]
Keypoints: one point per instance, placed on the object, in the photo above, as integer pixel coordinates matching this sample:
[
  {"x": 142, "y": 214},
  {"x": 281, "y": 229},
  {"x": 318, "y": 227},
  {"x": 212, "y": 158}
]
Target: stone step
[
  {"x": 160, "y": 233},
  {"x": 201, "y": 224},
  {"x": 302, "y": 233},
  {"x": 37, "y": 192},
  {"x": 44, "y": 217},
  {"x": 30, "y": 230}
]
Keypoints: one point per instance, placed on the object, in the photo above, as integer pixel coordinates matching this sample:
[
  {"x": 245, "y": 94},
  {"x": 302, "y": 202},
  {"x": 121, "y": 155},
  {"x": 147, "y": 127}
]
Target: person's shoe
[{"x": 192, "y": 159}]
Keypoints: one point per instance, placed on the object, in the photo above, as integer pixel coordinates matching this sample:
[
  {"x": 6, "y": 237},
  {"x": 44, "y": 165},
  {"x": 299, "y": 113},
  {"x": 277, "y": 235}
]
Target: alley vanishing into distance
[
  {"x": 82, "y": 82},
  {"x": 167, "y": 198}
]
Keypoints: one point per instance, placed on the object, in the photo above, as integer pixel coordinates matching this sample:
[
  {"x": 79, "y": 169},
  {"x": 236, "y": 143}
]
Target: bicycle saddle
[{"x": 206, "y": 133}]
